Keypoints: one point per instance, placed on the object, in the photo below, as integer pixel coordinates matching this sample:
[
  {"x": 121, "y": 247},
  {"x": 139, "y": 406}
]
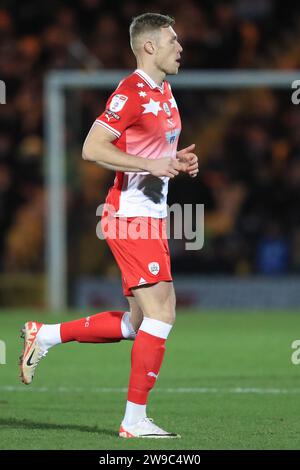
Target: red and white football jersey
[{"x": 145, "y": 120}]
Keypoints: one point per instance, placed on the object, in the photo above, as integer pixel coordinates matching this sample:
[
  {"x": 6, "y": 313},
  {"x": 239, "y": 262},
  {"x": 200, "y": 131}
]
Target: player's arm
[{"x": 98, "y": 148}]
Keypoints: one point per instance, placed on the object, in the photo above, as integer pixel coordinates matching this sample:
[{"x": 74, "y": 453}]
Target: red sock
[
  {"x": 103, "y": 327},
  {"x": 146, "y": 358}
]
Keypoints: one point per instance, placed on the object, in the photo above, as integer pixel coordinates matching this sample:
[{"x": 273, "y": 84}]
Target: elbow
[{"x": 86, "y": 153}]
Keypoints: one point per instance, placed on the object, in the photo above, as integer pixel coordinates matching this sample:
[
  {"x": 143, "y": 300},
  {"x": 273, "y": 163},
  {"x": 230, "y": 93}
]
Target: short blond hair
[{"x": 147, "y": 23}]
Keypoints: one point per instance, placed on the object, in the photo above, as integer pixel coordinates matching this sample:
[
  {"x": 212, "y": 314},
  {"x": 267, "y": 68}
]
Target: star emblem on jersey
[
  {"x": 140, "y": 85},
  {"x": 152, "y": 107},
  {"x": 173, "y": 103},
  {"x": 142, "y": 93}
]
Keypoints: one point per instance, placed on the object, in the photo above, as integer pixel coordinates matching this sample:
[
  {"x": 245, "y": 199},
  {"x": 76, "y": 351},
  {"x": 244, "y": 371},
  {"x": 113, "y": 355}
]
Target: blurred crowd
[{"x": 249, "y": 181}]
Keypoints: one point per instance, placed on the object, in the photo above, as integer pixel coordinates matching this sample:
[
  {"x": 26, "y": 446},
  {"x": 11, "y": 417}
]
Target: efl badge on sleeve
[{"x": 117, "y": 103}]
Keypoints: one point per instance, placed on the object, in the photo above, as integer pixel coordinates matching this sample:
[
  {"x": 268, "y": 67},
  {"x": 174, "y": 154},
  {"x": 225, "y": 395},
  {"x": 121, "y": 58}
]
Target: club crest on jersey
[
  {"x": 166, "y": 109},
  {"x": 118, "y": 102},
  {"x": 154, "y": 268},
  {"x": 172, "y": 135}
]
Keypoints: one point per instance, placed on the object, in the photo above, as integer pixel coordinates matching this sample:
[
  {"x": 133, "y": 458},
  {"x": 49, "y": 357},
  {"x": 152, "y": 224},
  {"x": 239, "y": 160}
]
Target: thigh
[{"x": 157, "y": 301}]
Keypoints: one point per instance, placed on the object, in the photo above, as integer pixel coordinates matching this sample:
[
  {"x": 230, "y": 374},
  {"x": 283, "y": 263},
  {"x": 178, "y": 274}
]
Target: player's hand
[
  {"x": 189, "y": 160},
  {"x": 166, "y": 166}
]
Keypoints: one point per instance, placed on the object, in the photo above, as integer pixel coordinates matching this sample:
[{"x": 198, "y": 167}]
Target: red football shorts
[{"x": 140, "y": 248}]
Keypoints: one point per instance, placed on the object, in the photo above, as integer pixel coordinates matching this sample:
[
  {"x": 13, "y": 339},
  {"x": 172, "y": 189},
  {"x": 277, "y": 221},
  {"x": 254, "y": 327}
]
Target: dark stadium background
[
  {"x": 249, "y": 176},
  {"x": 230, "y": 379}
]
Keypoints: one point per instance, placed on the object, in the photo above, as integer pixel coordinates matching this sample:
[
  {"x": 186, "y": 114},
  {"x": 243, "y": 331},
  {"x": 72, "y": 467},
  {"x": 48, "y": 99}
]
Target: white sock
[
  {"x": 126, "y": 327},
  {"x": 134, "y": 413},
  {"x": 48, "y": 336},
  {"x": 156, "y": 327}
]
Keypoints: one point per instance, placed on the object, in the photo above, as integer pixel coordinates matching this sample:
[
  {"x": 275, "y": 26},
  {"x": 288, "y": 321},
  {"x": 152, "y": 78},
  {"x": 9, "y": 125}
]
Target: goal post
[{"x": 56, "y": 83}]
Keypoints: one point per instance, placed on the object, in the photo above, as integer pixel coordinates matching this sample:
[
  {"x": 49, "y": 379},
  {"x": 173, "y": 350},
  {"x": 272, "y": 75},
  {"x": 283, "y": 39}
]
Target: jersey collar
[{"x": 149, "y": 80}]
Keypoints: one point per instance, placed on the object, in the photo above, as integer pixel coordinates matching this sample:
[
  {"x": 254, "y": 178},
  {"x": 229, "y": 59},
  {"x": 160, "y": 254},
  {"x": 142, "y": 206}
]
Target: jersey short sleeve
[{"x": 122, "y": 109}]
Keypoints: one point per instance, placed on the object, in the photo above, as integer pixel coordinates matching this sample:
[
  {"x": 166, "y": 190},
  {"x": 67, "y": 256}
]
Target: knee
[
  {"x": 136, "y": 323},
  {"x": 167, "y": 312},
  {"x": 136, "y": 318},
  {"x": 168, "y": 317}
]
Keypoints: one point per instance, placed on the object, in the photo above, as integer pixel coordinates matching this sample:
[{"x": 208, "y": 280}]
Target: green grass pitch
[{"x": 227, "y": 382}]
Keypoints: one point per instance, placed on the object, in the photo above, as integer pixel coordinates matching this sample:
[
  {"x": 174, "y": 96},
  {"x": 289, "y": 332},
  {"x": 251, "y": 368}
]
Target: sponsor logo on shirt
[
  {"x": 167, "y": 109},
  {"x": 154, "y": 268},
  {"x": 117, "y": 103},
  {"x": 171, "y": 122},
  {"x": 172, "y": 135},
  {"x": 109, "y": 114}
]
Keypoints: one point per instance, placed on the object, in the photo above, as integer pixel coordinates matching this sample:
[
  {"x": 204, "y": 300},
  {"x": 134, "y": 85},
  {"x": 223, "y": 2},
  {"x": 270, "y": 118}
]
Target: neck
[{"x": 157, "y": 75}]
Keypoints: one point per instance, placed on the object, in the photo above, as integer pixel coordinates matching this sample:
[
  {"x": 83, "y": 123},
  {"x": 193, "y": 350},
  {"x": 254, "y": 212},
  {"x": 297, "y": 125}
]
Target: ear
[{"x": 148, "y": 46}]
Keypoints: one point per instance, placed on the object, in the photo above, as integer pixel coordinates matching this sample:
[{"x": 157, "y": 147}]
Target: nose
[{"x": 180, "y": 48}]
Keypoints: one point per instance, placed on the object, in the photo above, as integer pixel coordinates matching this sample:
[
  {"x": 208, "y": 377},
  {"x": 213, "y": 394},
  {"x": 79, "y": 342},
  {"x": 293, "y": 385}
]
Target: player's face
[{"x": 169, "y": 51}]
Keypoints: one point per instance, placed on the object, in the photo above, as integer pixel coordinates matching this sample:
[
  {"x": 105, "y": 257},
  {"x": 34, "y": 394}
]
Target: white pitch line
[{"x": 200, "y": 390}]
